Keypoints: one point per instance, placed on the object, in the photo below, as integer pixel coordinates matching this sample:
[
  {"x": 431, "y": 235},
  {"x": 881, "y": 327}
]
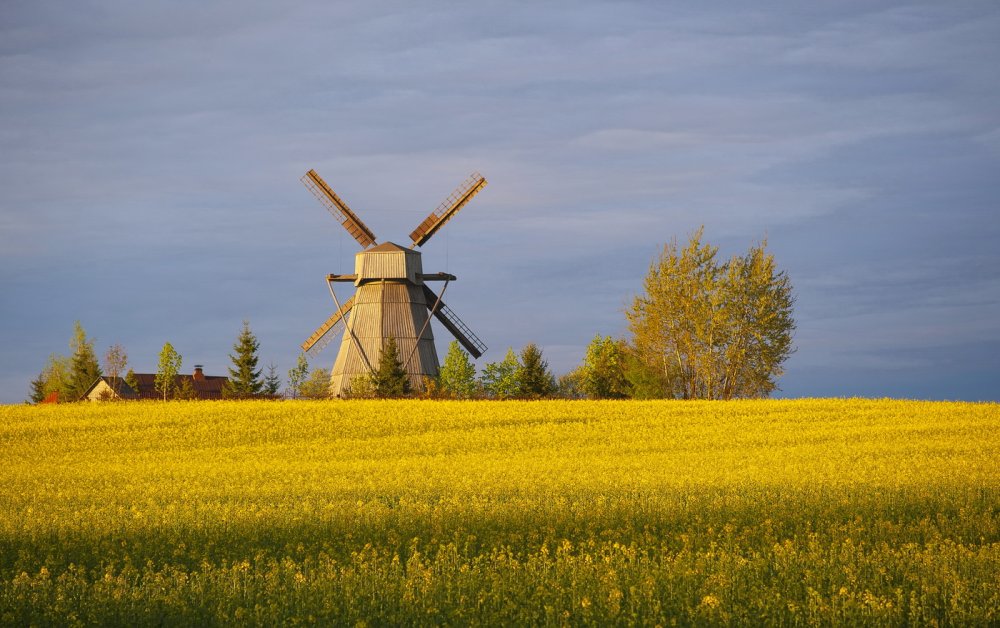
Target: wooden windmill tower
[{"x": 392, "y": 298}]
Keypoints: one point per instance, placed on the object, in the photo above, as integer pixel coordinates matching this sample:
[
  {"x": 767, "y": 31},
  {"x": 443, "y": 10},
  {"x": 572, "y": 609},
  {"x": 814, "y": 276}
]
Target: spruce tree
[
  {"x": 84, "y": 369},
  {"x": 272, "y": 383},
  {"x": 534, "y": 380},
  {"x": 38, "y": 388},
  {"x": 458, "y": 374},
  {"x": 244, "y": 376},
  {"x": 390, "y": 380}
]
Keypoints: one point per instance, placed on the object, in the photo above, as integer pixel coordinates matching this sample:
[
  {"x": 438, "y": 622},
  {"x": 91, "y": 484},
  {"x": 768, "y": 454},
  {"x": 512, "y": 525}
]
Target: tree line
[
  {"x": 703, "y": 328},
  {"x": 523, "y": 375},
  {"x": 68, "y": 378}
]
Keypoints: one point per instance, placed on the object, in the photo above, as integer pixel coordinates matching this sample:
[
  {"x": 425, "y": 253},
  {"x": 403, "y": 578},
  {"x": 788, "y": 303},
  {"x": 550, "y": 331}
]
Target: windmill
[{"x": 391, "y": 298}]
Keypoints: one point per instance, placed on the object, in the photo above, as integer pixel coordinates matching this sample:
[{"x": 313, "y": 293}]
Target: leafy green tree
[
  {"x": 534, "y": 380},
  {"x": 457, "y": 378},
  {"x": 272, "y": 383},
  {"x": 244, "y": 377},
  {"x": 362, "y": 386},
  {"x": 57, "y": 376},
  {"x": 84, "y": 369},
  {"x": 186, "y": 390},
  {"x": 132, "y": 382},
  {"x": 390, "y": 380},
  {"x": 603, "y": 374},
  {"x": 297, "y": 376},
  {"x": 569, "y": 385},
  {"x": 317, "y": 386},
  {"x": 167, "y": 370},
  {"x": 712, "y": 330},
  {"x": 500, "y": 379}
]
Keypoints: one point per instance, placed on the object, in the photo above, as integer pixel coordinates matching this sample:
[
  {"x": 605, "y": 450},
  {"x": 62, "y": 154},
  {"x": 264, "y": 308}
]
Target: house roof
[{"x": 205, "y": 387}]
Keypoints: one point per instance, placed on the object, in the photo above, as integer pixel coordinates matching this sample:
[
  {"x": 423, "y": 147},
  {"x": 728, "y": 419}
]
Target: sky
[{"x": 150, "y": 157}]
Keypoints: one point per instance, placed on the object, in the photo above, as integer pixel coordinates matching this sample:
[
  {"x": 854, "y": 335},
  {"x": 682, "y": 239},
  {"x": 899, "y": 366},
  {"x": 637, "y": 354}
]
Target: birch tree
[{"x": 709, "y": 330}]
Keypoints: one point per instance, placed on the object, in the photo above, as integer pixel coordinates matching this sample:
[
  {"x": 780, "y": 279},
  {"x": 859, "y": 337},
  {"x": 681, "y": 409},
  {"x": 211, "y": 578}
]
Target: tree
[
  {"x": 457, "y": 378},
  {"x": 569, "y": 385},
  {"x": 710, "y": 330},
  {"x": 186, "y": 389},
  {"x": 244, "y": 377},
  {"x": 57, "y": 376},
  {"x": 37, "y": 389},
  {"x": 390, "y": 380},
  {"x": 297, "y": 376},
  {"x": 534, "y": 380},
  {"x": 272, "y": 383},
  {"x": 500, "y": 379},
  {"x": 167, "y": 370},
  {"x": 603, "y": 373},
  {"x": 115, "y": 360},
  {"x": 84, "y": 369},
  {"x": 317, "y": 386},
  {"x": 132, "y": 382}
]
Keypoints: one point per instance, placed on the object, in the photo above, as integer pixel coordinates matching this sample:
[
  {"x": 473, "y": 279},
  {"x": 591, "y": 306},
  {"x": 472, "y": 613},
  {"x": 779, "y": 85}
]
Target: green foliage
[
  {"x": 37, "y": 389},
  {"x": 297, "y": 375},
  {"x": 570, "y": 385},
  {"x": 458, "y": 374},
  {"x": 132, "y": 382},
  {"x": 57, "y": 376},
  {"x": 390, "y": 380},
  {"x": 317, "y": 386},
  {"x": 711, "y": 330},
  {"x": 84, "y": 368},
  {"x": 244, "y": 377},
  {"x": 603, "y": 374},
  {"x": 500, "y": 379},
  {"x": 166, "y": 371},
  {"x": 272, "y": 383},
  {"x": 534, "y": 379},
  {"x": 185, "y": 391}
]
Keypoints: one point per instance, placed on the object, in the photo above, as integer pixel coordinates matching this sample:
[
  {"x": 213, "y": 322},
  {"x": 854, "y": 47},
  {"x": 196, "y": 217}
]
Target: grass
[{"x": 785, "y": 512}]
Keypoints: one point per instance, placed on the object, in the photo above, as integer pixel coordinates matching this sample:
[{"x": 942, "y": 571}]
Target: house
[{"x": 203, "y": 386}]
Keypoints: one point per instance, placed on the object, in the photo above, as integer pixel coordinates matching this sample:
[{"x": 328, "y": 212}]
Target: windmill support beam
[
  {"x": 437, "y": 277},
  {"x": 350, "y": 278}
]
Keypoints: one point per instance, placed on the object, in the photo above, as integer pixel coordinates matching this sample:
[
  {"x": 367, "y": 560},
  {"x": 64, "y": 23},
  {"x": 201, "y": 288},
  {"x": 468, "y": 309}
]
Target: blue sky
[{"x": 150, "y": 156}]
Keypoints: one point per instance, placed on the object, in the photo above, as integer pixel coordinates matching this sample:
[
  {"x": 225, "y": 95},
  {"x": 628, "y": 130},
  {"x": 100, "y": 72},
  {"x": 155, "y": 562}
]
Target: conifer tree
[
  {"x": 390, "y": 380},
  {"x": 37, "y": 388},
  {"x": 167, "y": 370},
  {"x": 534, "y": 380},
  {"x": 458, "y": 374},
  {"x": 244, "y": 376},
  {"x": 84, "y": 369},
  {"x": 272, "y": 383}
]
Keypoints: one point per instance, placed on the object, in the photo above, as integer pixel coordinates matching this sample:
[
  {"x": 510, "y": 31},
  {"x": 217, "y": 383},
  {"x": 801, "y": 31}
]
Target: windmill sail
[
  {"x": 454, "y": 324},
  {"x": 329, "y": 330},
  {"x": 456, "y": 201},
  {"x": 339, "y": 209}
]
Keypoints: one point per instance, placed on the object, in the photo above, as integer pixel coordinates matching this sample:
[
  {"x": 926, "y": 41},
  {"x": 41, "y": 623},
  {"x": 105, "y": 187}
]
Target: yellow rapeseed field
[{"x": 555, "y": 512}]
